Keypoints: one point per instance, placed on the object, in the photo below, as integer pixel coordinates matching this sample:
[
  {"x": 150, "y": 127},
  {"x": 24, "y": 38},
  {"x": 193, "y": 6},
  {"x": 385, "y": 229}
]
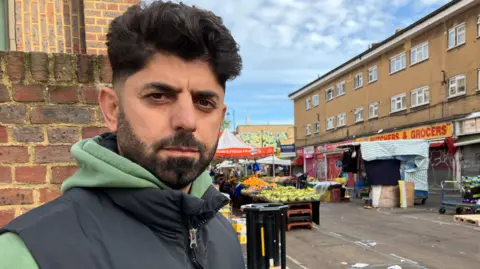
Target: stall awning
[
  {"x": 299, "y": 160},
  {"x": 468, "y": 140},
  {"x": 437, "y": 144}
]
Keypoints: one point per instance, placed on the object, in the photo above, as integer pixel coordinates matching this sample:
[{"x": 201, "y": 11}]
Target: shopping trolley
[{"x": 453, "y": 197}]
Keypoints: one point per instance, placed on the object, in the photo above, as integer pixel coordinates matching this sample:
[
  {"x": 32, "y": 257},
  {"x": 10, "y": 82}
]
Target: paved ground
[{"x": 412, "y": 238}]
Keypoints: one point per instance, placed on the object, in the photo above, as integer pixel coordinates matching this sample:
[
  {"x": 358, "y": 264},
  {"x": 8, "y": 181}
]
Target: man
[{"x": 142, "y": 197}]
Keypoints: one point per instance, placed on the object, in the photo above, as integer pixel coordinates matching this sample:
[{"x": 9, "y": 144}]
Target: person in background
[{"x": 142, "y": 197}]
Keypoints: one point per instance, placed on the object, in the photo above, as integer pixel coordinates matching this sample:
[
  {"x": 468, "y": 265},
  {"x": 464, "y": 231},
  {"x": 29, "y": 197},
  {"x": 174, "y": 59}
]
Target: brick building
[
  {"x": 58, "y": 26},
  {"x": 413, "y": 84}
]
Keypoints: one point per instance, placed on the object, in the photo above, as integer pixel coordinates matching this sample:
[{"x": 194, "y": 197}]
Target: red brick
[
  {"x": 53, "y": 154},
  {"x": 39, "y": 66},
  {"x": 52, "y": 114},
  {"x": 92, "y": 131},
  {"x": 28, "y": 93},
  {"x": 85, "y": 68},
  {"x": 24, "y": 210},
  {"x": 63, "y": 135},
  {"x": 28, "y": 134},
  {"x": 3, "y": 134},
  {"x": 105, "y": 69},
  {"x": 30, "y": 174},
  {"x": 5, "y": 174},
  {"x": 112, "y": 7},
  {"x": 13, "y": 113},
  {"x": 90, "y": 95},
  {"x": 16, "y": 196},
  {"x": 15, "y": 65},
  {"x": 48, "y": 194},
  {"x": 13, "y": 154},
  {"x": 4, "y": 95},
  {"x": 60, "y": 173},
  {"x": 63, "y": 95},
  {"x": 6, "y": 215},
  {"x": 89, "y": 21}
]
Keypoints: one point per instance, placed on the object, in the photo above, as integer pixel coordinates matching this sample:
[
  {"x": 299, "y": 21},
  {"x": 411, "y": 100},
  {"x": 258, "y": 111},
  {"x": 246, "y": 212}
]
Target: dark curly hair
[{"x": 173, "y": 28}]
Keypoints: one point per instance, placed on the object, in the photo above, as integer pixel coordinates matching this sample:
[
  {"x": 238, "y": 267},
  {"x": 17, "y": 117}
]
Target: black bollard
[{"x": 266, "y": 236}]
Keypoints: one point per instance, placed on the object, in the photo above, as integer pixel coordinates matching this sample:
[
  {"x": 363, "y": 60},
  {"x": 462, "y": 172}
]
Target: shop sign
[
  {"x": 300, "y": 152},
  {"x": 287, "y": 151},
  {"x": 334, "y": 146},
  {"x": 320, "y": 149},
  {"x": 471, "y": 126},
  {"x": 425, "y": 132},
  {"x": 309, "y": 152}
]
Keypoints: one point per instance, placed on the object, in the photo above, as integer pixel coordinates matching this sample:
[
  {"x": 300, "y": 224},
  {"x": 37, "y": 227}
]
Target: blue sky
[{"x": 286, "y": 44}]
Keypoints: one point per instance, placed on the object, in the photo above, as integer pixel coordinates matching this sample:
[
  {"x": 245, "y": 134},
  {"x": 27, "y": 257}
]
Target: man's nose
[{"x": 184, "y": 114}]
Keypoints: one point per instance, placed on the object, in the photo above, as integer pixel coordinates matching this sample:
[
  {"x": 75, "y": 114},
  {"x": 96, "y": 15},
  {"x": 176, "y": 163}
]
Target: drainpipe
[{"x": 12, "y": 44}]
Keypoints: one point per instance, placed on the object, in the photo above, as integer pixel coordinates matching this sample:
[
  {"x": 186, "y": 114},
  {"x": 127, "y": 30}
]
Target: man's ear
[{"x": 109, "y": 104}]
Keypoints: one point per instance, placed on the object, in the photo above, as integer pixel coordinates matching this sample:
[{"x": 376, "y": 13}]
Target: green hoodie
[{"x": 99, "y": 168}]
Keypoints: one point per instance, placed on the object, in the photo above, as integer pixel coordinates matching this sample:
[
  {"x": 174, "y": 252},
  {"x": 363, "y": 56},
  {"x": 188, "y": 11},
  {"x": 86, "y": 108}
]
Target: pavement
[{"x": 350, "y": 235}]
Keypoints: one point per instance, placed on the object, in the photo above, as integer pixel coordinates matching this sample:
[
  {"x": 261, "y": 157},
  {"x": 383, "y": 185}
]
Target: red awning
[
  {"x": 299, "y": 160},
  {"x": 437, "y": 144}
]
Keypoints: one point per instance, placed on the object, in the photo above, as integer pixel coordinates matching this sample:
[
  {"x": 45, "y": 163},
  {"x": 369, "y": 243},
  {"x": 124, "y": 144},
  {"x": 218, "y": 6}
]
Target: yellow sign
[{"x": 425, "y": 132}]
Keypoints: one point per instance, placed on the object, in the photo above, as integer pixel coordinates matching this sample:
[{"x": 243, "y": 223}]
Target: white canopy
[
  {"x": 228, "y": 140},
  {"x": 274, "y": 160}
]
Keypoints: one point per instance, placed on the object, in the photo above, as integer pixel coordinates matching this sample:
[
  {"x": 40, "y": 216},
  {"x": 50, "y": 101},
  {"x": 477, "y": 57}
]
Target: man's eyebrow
[
  {"x": 205, "y": 94},
  {"x": 159, "y": 86}
]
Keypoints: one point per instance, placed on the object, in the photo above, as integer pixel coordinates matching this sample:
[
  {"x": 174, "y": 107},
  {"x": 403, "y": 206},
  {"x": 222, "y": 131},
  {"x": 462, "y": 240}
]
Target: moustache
[{"x": 180, "y": 139}]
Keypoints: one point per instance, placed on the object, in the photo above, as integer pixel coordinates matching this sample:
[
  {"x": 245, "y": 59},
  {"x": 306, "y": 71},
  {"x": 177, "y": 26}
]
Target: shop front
[
  {"x": 309, "y": 161},
  {"x": 441, "y": 156},
  {"x": 329, "y": 160},
  {"x": 468, "y": 144}
]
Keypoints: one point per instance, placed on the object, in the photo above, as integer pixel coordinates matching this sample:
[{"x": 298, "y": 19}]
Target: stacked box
[{"x": 240, "y": 226}]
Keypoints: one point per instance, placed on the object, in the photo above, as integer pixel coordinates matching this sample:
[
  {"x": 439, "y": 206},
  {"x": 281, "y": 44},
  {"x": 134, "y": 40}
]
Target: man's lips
[{"x": 183, "y": 150}]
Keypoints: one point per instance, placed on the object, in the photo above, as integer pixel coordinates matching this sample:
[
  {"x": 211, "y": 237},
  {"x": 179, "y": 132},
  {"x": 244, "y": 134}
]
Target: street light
[{"x": 233, "y": 114}]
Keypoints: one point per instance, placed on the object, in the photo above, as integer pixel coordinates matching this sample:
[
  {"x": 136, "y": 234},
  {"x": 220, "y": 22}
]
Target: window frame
[
  {"x": 4, "y": 9},
  {"x": 375, "y": 67},
  {"x": 308, "y": 104},
  {"x": 416, "y": 92},
  {"x": 457, "y": 77},
  {"x": 419, "y": 48},
  {"x": 317, "y": 97},
  {"x": 332, "y": 120},
  {"x": 326, "y": 94},
  {"x": 478, "y": 79},
  {"x": 478, "y": 26},
  {"x": 358, "y": 75},
  {"x": 402, "y": 67},
  {"x": 344, "y": 88},
  {"x": 308, "y": 129},
  {"x": 454, "y": 29},
  {"x": 344, "y": 116},
  {"x": 370, "y": 106},
  {"x": 317, "y": 127},
  {"x": 359, "y": 111},
  {"x": 396, "y": 97}
]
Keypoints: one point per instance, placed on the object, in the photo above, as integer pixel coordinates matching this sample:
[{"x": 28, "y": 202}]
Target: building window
[
  {"x": 478, "y": 26},
  {"x": 307, "y": 104},
  {"x": 457, "y": 86},
  {"x": 372, "y": 74},
  {"x": 341, "y": 88},
  {"x": 478, "y": 78},
  {"x": 358, "y": 81},
  {"x": 397, "y": 63},
  {"x": 359, "y": 114},
  {"x": 341, "y": 119},
  {"x": 308, "y": 129},
  {"x": 420, "y": 97},
  {"x": 373, "y": 110},
  {"x": 329, "y": 94},
  {"x": 456, "y": 36},
  {"x": 330, "y": 123},
  {"x": 419, "y": 53},
  {"x": 3, "y": 25},
  {"x": 317, "y": 127},
  {"x": 399, "y": 103},
  {"x": 316, "y": 100}
]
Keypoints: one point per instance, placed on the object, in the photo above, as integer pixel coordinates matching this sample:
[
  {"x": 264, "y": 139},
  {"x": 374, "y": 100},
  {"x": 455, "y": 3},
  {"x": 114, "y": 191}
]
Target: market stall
[{"x": 393, "y": 169}]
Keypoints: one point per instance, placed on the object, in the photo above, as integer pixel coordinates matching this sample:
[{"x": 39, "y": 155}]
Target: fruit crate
[{"x": 299, "y": 214}]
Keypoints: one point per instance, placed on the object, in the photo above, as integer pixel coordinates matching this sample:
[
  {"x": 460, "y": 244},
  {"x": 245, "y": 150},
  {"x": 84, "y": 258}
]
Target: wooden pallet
[{"x": 468, "y": 219}]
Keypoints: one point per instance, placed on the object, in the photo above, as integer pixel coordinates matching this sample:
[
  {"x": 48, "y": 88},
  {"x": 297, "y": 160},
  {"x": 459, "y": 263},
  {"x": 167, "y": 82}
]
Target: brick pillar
[
  {"x": 47, "y": 103},
  {"x": 98, "y": 15}
]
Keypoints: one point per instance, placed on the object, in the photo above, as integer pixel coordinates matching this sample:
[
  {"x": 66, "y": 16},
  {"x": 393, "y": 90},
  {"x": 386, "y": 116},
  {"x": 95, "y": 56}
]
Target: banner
[{"x": 431, "y": 132}]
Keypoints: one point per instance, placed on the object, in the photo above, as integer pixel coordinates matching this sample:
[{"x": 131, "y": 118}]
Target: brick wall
[
  {"x": 47, "y": 102},
  {"x": 65, "y": 26},
  {"x": 98, "y": 15}
]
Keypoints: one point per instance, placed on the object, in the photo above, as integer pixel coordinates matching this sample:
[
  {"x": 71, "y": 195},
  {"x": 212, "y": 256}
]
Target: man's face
[{"x": 169, "y": 117}]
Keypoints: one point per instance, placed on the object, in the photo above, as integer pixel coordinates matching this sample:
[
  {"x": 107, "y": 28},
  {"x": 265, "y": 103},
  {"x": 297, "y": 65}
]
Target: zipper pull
[{"x": 193, "y": 238}]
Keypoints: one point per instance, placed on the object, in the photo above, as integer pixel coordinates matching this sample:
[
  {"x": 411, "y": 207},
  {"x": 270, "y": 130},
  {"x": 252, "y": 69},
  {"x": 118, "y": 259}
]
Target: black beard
[{"x": 175, "y": 172}]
